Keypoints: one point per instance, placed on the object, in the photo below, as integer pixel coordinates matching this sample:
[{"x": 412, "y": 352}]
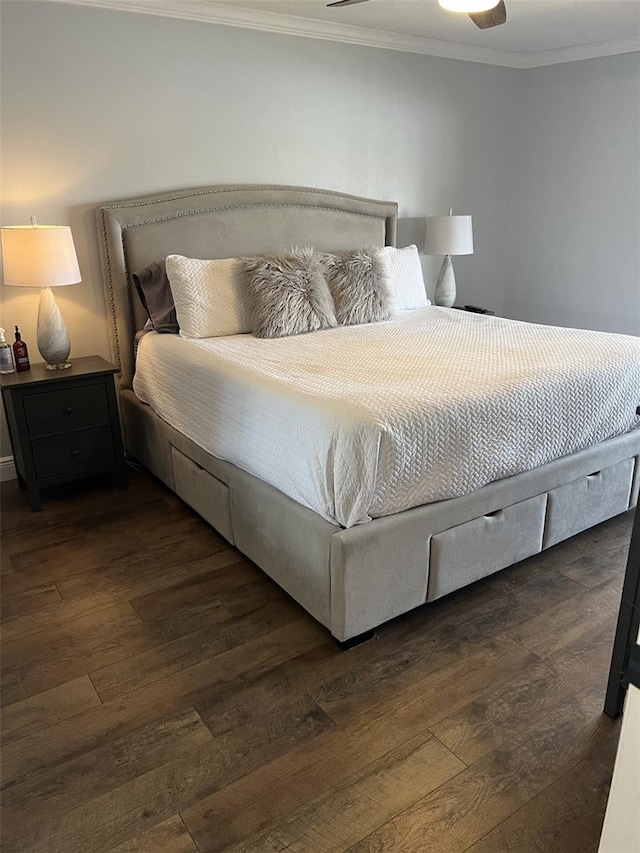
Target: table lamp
[
  {"x": 43, "y": 256},
  {"x": 448, "y": 235}
]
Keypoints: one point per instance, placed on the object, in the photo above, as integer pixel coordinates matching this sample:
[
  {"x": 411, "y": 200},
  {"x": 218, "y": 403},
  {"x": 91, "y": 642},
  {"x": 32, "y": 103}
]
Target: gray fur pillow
[
  {"x": 288, "y": 294},
  {"x": 359, "y": 284}
]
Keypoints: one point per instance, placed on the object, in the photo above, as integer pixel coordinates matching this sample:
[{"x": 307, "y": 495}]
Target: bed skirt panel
[
  {"x": 378, "y": 571},
  {"x": 289, "y": 542}
]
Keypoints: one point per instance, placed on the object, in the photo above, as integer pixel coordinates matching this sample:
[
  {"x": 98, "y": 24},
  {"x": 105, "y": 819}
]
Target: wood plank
[
  {"x": 581, "y": 548},
  {"x": 605, "y": 750},
  {"x": 367, "y": 798},
  {"x": 122, "y": 541},
  {"x": 55, "y": 614},
  {"x": 233, "y": 703},
  {"x": 127, "y": 756},
  {"x": 509, "y": 579},
  {"x": 112, "y": 585},
  {"x": 96, "y": 555},
  {"x": 161, "y": 661},
  {"x": 566, "y": 621},
  {"x": 498, "y": 716},
  {"x": 191, "y": 590},
  {"x": 74, "y": 525},
  {"x": 462, "y": 811},
  {"x": 150, "y": 571},
  {"x": 79, "y": 554},
  {"x": 182, "y": 526},
  {"x": 246, "y": 598},
  {"x": 567, "y": 816},
  {"x": 43, "y": 750},
  {"x": 29, "y": 599},
  {"x": 57, "y": 655},
  {"x": 88, "y": 500},
  {"x": 83, "y": 502},
  {"x": 275, "y": 767},
  {"x": 170, "y": 836},
  {"x": 280, "y": 788},
  {"x": 44, "y": 709},
  {"x": 16, "y": 516},
  {"x": 187, "y": 621},
  {"x": 130, "y": 808},
  {"x": 453, "y": 635},
  {"x": 6, "y": 566},
  {"x": 605, "y": 562}
]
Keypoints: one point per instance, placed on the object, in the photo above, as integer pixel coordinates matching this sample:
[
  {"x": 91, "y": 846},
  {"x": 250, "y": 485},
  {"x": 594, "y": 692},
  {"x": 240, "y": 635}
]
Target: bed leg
[{"x": 345, "y": 645}]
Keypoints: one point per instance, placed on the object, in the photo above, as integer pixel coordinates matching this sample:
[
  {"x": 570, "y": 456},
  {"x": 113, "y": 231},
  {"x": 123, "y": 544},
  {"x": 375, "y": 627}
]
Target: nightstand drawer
[
  {"x": 67, "y": 454},
  {"x": 68, "y": 408}
]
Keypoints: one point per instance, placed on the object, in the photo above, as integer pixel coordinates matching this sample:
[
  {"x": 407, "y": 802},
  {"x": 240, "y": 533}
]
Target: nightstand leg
[
  {"x": 121, "y": 477},
  {"x": 33, "y": 499},
  {"x": 22, "y": 485}
]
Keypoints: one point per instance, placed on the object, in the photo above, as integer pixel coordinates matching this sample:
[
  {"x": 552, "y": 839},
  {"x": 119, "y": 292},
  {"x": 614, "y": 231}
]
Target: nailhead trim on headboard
[
  {"x": 112, "y": 304},
  {"x": 214, "y": 190},
  {"x": 240, "y": 207}
]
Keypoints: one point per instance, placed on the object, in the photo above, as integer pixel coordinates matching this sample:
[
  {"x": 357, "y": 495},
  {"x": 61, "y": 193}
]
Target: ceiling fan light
[{"x": 468, "y": 6}]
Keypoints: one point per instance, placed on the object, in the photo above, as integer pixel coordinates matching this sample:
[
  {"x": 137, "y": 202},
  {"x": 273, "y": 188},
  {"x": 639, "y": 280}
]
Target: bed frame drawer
[
  {"x": 478, "y": 548},
  {"x": 587, "y": 501},
  {"x": 203, "y": 492}
]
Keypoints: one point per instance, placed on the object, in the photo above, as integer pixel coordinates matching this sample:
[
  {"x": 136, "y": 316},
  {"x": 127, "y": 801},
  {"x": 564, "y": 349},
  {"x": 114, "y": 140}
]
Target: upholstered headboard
[{"x": 223, "y": 222}]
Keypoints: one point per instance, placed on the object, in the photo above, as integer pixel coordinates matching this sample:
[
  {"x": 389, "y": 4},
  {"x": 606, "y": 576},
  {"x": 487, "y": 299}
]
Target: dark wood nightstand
[{"x": 63, "y": 424}]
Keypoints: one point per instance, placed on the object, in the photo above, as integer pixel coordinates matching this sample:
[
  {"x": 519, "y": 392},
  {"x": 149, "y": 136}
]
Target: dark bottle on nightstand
[{"x": 21, "y": 353}]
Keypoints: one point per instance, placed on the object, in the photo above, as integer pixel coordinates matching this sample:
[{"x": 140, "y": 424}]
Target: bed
[{"x": 361, "y": 537}]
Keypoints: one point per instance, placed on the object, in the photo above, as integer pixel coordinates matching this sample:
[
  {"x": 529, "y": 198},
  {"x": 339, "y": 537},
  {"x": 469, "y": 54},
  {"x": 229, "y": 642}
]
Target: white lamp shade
[
  {"x": 39, "y": 256},
  {"x": 468, "y": 5},
  {"x": 449, "y": 235}
]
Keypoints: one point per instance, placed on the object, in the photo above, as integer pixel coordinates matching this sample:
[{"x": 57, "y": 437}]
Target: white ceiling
[
  {"x": 532, "y": 25},
  {"x": 537, "y": 32}
]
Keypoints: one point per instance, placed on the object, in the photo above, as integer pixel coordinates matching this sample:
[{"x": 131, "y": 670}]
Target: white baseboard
[{"x": 7, "y": 469}]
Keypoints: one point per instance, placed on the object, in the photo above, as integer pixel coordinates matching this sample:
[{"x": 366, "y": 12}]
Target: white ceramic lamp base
[
  {"x": 445, "y": 293},
  {"x": 53, "y": 338}
]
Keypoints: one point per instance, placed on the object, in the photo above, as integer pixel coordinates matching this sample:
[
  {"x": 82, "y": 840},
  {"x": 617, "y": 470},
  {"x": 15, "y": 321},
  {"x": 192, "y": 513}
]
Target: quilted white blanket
[{"x": 363, "y": 421}]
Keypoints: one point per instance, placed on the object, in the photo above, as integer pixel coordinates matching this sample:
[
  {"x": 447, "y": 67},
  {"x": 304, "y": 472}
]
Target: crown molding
[
  {"x": 211, "y": 12},
  {"x": 630, "y": 44}
]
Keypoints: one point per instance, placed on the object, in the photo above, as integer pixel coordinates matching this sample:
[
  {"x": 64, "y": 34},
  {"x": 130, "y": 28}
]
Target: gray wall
[
  {"x": 100, "y": 105},
  {"x": 574, "y": 241}
]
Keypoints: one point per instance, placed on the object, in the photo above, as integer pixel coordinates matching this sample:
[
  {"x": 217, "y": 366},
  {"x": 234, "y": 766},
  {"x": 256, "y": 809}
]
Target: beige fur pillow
[
  {"x": 288, "y": 293},
  {"x": 359, "y": 284}
]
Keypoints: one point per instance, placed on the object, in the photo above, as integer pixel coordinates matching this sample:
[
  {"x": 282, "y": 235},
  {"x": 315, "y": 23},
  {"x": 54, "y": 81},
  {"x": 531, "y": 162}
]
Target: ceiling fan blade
[
  {"x": 345, "y": 3},
  {"x": 491, "y": 18}
]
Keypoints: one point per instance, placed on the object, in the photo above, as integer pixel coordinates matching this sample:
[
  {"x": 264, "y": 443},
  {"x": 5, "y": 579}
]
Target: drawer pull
[
  {"x": 491, "y": 516},
  {"x": 68, "y": 410},
  {"x": 75, "y": 452},
  {"x": 595, "y": 474}
]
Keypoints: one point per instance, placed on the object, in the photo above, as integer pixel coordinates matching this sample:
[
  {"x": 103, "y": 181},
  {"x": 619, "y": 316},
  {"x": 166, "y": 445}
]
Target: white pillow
[
  {"x": 405, "y": 278},
  {"x": 209, "y": 296}
]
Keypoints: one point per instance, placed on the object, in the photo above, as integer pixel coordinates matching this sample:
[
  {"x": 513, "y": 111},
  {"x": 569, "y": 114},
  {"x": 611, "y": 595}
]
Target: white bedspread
[{"x": 364, "y": 421}]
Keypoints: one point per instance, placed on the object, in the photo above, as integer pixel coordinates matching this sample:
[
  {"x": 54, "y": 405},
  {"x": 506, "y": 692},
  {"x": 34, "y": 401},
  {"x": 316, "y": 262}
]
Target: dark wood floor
[{"x": 161, "y": 695}]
